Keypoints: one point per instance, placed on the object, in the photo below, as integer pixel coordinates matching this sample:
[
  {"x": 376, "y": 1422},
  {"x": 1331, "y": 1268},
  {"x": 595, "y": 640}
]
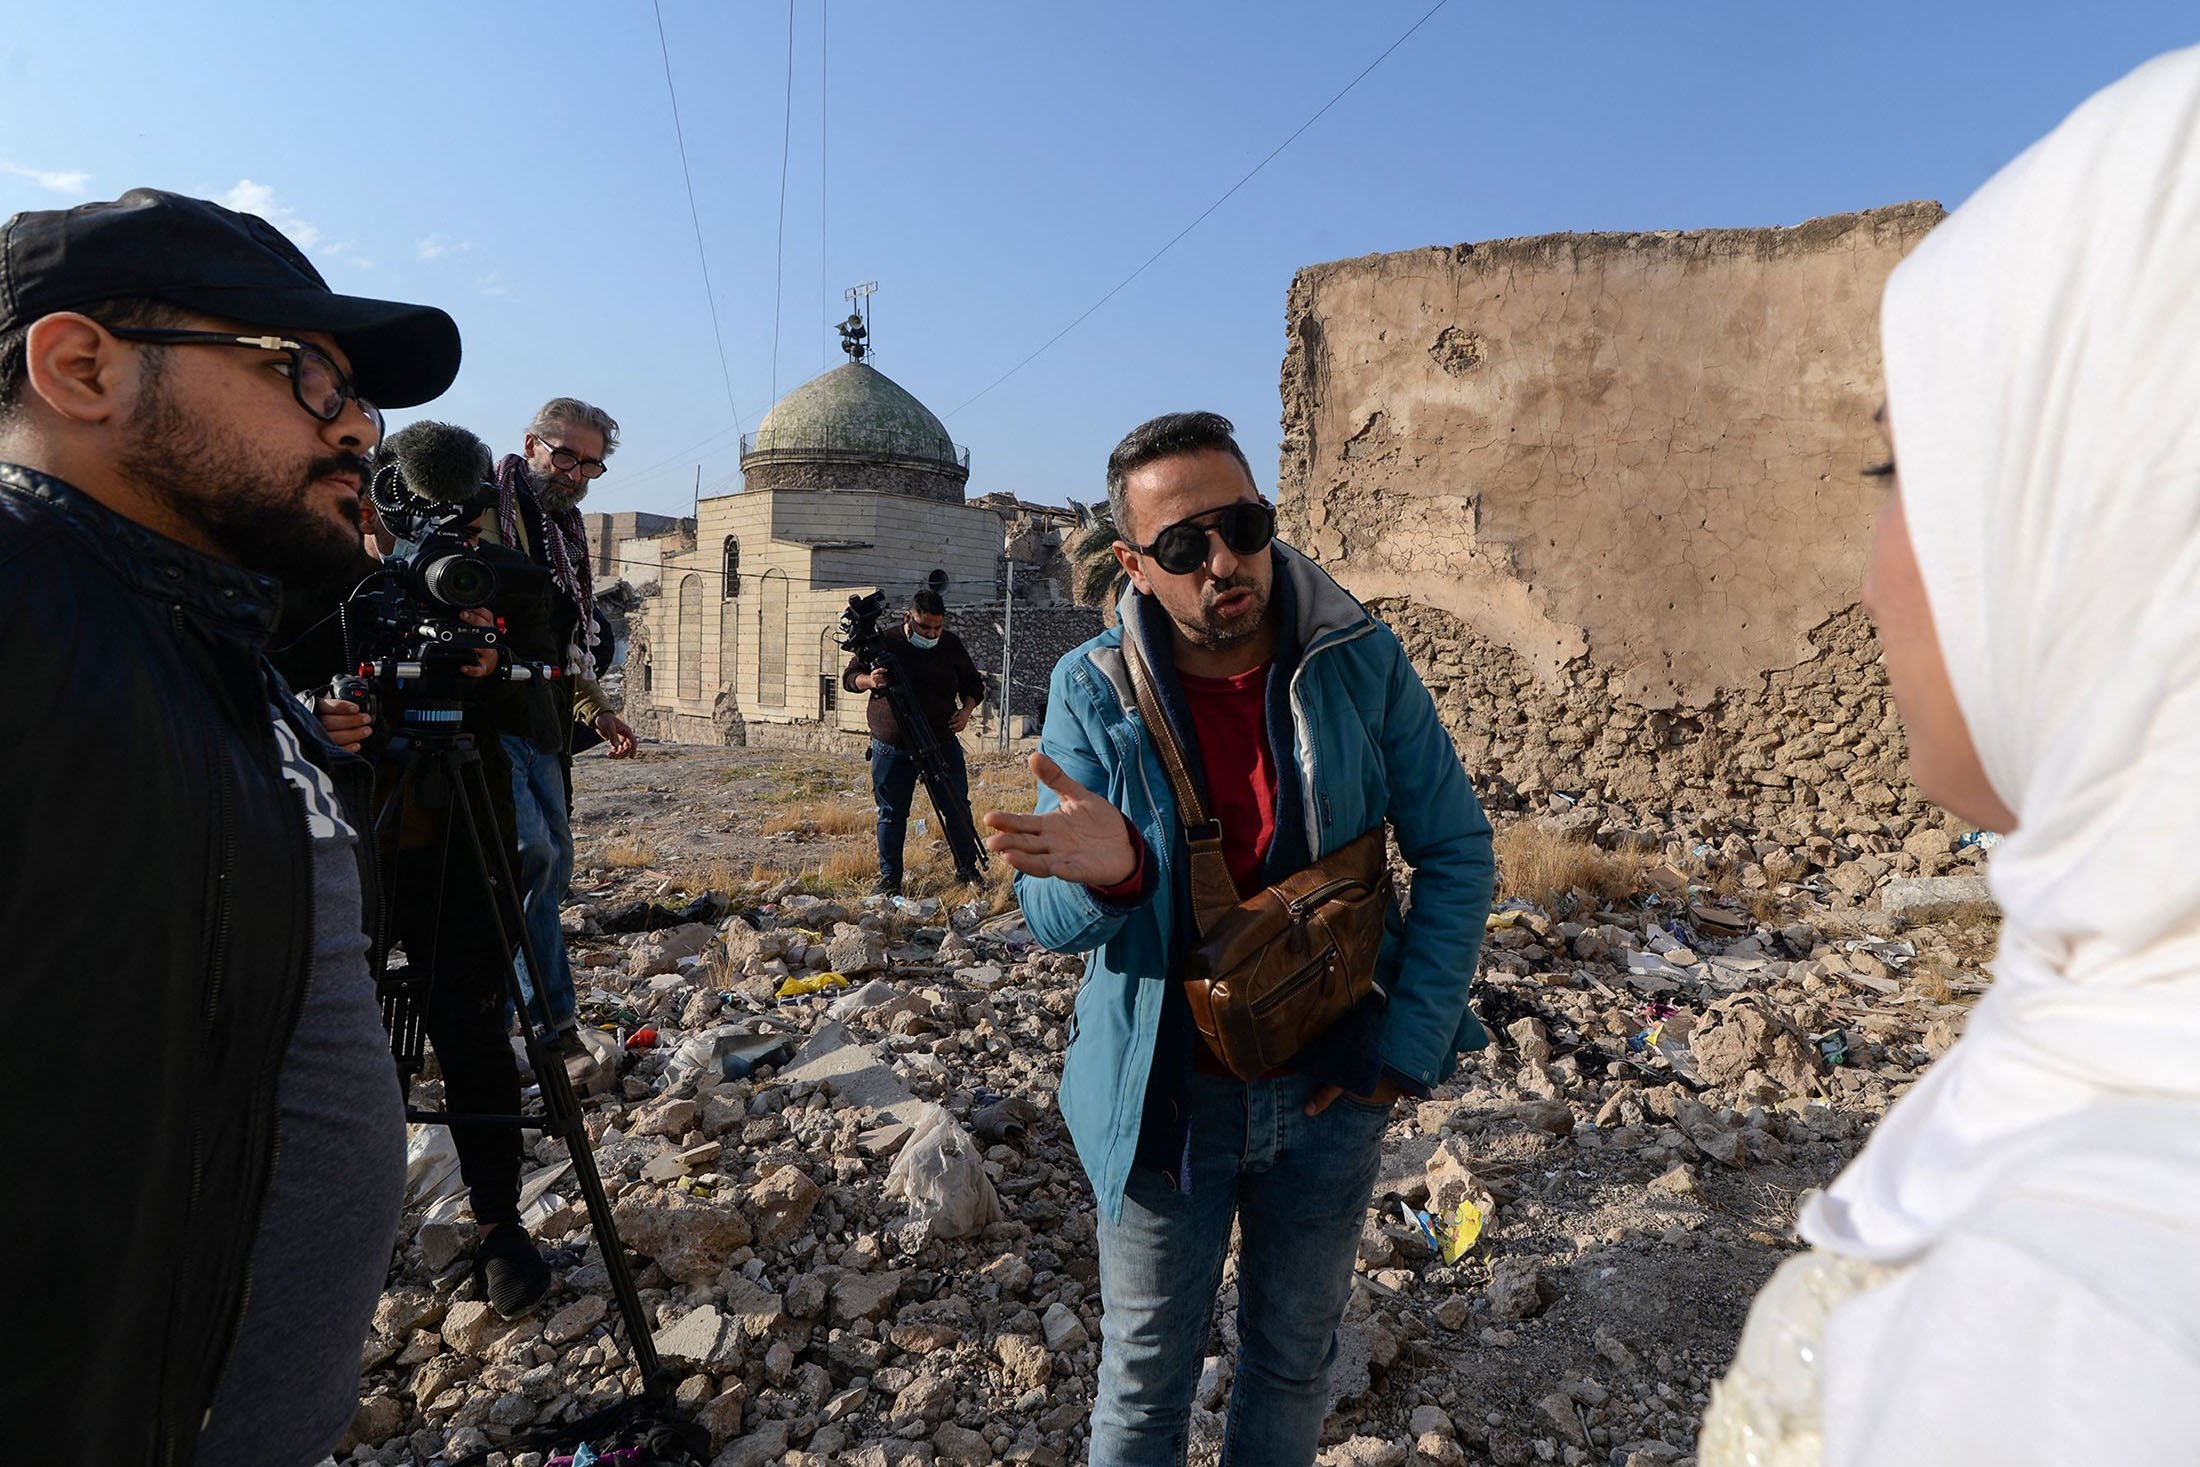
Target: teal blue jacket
[{"x": 1368, "y": 747}]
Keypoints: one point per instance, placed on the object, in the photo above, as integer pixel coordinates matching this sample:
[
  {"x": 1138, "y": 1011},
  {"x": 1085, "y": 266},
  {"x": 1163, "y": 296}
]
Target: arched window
[
  {"x": 730, "y": 586},
  {"x": 830, "y": 660},
  {"x": 729, "y": 640},
  {"x": 771, "y": 639},
  {"x": 690, "y": 665}
]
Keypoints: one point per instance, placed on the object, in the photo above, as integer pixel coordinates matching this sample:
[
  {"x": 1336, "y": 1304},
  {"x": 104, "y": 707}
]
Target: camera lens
[{"x": 459, "y": 580}]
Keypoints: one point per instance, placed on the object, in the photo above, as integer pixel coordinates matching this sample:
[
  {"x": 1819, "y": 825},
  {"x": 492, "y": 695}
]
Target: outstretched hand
[{"x": 1082, "y": 839}]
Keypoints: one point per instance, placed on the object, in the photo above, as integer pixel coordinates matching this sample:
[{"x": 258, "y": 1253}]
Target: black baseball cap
[{"x": 203, "y": 257}]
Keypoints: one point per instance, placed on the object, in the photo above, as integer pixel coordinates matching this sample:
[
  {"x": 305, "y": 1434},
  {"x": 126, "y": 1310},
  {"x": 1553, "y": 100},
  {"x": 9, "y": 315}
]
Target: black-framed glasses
[
  {"x": 565, "y": 460},
  {"x": 319, "y": 384},
  {"x": 1182, "y": 547}
]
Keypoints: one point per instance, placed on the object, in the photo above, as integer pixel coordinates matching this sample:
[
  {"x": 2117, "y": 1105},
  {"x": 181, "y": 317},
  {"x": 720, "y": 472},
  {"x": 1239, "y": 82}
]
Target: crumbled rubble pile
[
  {"x": 1814, "y": 749},
  {"x": 828, "y": 1129}
]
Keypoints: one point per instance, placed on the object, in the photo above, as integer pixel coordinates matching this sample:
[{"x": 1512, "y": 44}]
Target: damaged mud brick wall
[{"x": 1606, "y": 488}]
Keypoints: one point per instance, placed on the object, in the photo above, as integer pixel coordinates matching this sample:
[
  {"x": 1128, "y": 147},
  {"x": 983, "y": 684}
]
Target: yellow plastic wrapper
[
  {"x": 804, "y": 984},
  {"x": 1460, "y": 1231}
]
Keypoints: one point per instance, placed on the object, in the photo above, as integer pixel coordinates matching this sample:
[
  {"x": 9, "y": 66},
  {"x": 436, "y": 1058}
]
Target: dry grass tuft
[
  {"x": 628, "y": 853},
  {"x": 834, "y": 819},
  {"x": 1930, "y": 981},
  {"x": 849, "y": 868},
  {"x": 1538, "y": 864}
]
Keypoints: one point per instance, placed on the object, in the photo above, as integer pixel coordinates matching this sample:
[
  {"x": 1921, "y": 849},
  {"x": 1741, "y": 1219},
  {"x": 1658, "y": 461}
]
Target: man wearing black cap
[{"x": 207, "y": 1211}]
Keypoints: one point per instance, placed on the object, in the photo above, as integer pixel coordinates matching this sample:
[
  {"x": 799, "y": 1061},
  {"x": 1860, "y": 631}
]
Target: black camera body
[
  {"x": 406, "y": 644},
  {"x": 859, "y": 633}
]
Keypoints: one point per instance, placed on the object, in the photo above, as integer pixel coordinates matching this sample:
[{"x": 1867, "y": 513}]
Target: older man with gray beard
[{"x": 538, "y": 513}]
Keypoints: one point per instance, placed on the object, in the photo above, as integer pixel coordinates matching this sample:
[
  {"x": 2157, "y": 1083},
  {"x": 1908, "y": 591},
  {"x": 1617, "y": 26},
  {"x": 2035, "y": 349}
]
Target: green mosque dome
[{"x": 855, "y": 412}]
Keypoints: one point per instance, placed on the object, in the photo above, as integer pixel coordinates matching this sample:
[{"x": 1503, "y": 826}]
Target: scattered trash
[
  {"x": 431, "y": 1165},
  {"x": 1833, "y": 1048},
  {"x": 711, "y": 906},
  {"x": 942, "y": 1177},
  {"x": 1450, "y": 1238},
  {"x": 642, "y": 1039},
  {"x": 734, "y": 1050},
  {"x": 806, "y": 984},
  {"x": 1984, "y": 840}
]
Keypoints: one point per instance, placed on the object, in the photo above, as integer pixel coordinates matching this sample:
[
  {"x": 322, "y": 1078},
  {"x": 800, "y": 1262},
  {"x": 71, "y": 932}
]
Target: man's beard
[
  {"x": 558, "y": 496},
  {"x": 1211, "y": 632},
  {"x": 247, "y": 507},
  {"x": 557, "y": 493}
]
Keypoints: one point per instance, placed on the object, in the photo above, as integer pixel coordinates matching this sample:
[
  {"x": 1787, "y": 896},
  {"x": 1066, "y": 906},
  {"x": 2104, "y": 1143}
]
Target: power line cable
[
  {"x": 824, "y": 181},
  {"x": 1202, "y": 215},
  {"x": 710, "y": 294},
  {"x": 786, "y": 140}
]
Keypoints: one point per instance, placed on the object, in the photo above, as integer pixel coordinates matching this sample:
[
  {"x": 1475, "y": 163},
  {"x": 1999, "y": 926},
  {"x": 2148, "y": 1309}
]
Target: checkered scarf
[{"x": 567, "y": 550}]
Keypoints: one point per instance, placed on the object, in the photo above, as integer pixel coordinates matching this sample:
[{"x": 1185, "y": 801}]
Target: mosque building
[{"x": 849, "y": 485}]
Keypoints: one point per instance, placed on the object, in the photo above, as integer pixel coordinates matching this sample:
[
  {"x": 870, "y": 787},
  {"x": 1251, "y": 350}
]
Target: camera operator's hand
[
  {"x": 961, "y": 718},
  {"x": 873, "y": 681},
  {"x": 346, "y": 724},
  {"x": 1083, "y": 839},
  {"x": 613, "y": 731},
  {"x": 485, "y": 658}
]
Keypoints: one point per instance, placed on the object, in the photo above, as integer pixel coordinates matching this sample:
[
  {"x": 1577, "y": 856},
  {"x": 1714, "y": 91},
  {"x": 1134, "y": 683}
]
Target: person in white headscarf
[{"x": 2010, "y": 1272}]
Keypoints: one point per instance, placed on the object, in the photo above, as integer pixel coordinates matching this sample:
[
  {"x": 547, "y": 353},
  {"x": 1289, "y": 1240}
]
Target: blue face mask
[{"x": 921, "y": 642}]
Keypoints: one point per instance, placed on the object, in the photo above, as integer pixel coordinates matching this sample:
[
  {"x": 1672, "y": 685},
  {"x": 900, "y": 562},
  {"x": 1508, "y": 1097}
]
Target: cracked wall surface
[{"x": 1627, "y": 459}]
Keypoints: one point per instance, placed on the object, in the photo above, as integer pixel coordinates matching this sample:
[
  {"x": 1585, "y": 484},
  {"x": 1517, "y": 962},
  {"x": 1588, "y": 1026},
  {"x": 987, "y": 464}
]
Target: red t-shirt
[
  {"x": 1230, "y": 717},
  {"x": 1230, "y": 720}
]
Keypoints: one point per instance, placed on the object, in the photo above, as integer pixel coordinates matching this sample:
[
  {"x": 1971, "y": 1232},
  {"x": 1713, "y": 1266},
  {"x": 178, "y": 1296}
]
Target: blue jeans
[
  {"x": 1298, "y": 1187},
  {"x": 545, "y": 869},
  {"x": 894, "y": 785}
]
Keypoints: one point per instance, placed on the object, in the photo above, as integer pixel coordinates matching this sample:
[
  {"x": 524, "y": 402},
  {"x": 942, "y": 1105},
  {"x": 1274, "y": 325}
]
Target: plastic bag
[{"x": 941, "y": 1175}]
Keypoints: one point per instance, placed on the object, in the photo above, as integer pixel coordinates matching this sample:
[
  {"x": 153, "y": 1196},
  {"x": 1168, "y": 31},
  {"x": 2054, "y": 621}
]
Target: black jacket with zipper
[{"x": 155, "y": 890}]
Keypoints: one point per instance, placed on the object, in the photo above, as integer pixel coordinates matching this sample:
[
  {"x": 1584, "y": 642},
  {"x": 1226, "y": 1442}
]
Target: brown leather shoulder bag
[{"x": 1269, "y": 974}]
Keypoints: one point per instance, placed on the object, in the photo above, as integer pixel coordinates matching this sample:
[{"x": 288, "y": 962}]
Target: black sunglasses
[
  {"x": 319, "y": 384},
  {"x": 1182, "y": 547},
  {"x": 565, "y": 460}
]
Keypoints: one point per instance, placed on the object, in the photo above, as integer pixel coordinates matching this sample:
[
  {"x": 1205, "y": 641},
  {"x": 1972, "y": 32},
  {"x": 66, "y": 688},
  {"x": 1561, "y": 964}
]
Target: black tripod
[{"x": 439, "y": 771}]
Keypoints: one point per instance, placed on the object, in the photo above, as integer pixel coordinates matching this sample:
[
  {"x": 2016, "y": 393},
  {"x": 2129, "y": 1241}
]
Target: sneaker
[
  {"x": 568, "y": 1044},
  {"x": 886, "y": 886},
  {"x": 512, "y": 1273}
]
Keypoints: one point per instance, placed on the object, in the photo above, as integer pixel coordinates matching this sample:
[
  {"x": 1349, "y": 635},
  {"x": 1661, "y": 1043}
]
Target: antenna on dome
[{"x": 855, "y": 332}]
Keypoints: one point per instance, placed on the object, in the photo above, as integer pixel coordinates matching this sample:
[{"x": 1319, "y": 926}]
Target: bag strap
[{"x": 1214, "y": 890}]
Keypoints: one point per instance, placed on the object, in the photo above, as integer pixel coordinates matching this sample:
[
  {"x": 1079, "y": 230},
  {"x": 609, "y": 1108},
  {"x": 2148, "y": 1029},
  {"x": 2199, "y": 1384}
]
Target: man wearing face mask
[
  {"x": 938, "y": 670},
  {"x": 538, "y": 514}
]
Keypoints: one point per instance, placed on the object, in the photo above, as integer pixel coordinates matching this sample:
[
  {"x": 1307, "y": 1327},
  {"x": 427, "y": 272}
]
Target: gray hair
[
  {"x": 1168, "y": 436},
  {"x": 571, "y": 412}
]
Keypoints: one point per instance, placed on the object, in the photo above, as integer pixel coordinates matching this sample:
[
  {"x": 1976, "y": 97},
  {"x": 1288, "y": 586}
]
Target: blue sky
[{"x": 997, "y": 168}]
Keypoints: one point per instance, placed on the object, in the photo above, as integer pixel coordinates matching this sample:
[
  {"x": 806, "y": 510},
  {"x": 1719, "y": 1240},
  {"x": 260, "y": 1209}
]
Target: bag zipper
[
  {"x": 1291, "y": 985},
  {"x": 1302, "y": 905}
]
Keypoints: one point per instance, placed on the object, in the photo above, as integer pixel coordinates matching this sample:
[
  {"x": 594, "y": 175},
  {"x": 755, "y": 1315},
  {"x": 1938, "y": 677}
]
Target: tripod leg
[
  {"x": 404, "y": 1011},
  {"x": 561, "y": 1106}
]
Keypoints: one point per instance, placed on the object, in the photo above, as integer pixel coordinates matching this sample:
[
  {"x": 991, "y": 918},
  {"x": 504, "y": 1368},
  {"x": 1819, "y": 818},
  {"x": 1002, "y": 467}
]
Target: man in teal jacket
[{"x": 1310, "y": 727}]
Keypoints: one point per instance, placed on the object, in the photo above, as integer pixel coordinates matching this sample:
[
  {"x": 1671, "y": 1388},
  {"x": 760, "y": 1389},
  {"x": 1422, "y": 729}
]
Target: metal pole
[{"x": 1008, "y": 626}]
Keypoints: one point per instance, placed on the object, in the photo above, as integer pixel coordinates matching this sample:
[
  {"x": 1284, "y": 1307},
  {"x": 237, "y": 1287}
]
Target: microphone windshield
[{"x": 437, "y": 461}]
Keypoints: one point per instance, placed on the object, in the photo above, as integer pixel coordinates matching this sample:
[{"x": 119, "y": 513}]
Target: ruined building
[
  {"x": 850, "y": 484},
  {"x": 1606, "y": 487}
]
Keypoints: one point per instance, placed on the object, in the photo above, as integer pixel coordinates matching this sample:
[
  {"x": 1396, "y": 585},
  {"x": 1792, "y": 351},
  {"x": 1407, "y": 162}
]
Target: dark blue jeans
[
  {"x": 1297, "y": 1187},
  {"x": 894, "y": 784}
]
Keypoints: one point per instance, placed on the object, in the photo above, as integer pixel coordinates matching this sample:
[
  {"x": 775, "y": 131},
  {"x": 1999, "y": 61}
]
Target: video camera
[
  {"x": 405, "y": 637},
  {"x": 859, "y": 634}
]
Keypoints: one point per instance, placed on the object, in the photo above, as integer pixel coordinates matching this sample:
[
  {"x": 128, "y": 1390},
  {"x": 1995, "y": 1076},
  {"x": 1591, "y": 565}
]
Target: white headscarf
[{"x": 2043, "y": 375}]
